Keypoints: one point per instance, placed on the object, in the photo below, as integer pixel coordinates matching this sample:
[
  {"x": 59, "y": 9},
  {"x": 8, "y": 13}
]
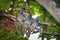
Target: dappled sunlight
[{"x": 36, "y": 15}]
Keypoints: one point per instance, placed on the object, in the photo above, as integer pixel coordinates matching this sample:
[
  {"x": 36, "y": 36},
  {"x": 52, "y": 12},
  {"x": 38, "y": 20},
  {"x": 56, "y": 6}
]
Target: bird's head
[
  {"x": 30, "y": 17},
  {"x": 37, "y": 20},
  {"x": 21, "y": 11}
]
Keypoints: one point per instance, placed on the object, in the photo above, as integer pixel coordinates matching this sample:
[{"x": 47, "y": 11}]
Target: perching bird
[
  {"x": 20, "y": 15},
  {"x": 35, "y": 24},
  {"x": 27, "y": 24},
  {"x": 20, "y": 19},
  {"x": 28, "y": 20}
]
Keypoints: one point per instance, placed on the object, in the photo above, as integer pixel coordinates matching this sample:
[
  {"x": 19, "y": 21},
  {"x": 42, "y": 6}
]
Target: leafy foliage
[
  {"x": 34, "y": 8},
  {"x": 4, "y": 4},
  {"x": 11, "y": 35}
]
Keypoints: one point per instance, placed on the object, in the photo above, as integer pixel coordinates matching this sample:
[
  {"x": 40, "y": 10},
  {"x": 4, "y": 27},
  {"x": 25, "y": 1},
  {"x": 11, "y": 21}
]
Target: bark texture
[{"x": 51, "y": 7}]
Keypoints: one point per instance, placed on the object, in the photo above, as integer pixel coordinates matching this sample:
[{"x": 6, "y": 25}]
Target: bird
[
  {"x": 35, "y": 24},
  {"x": 28, "y": 23},
  {"x": 20, "y": 15},
  {"x": 20, "y": 19},
  {"x": 28, "y": 20}
]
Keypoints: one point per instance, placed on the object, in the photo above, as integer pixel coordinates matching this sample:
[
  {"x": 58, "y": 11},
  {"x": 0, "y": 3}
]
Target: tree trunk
[{"x": 51, "y": 7}]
